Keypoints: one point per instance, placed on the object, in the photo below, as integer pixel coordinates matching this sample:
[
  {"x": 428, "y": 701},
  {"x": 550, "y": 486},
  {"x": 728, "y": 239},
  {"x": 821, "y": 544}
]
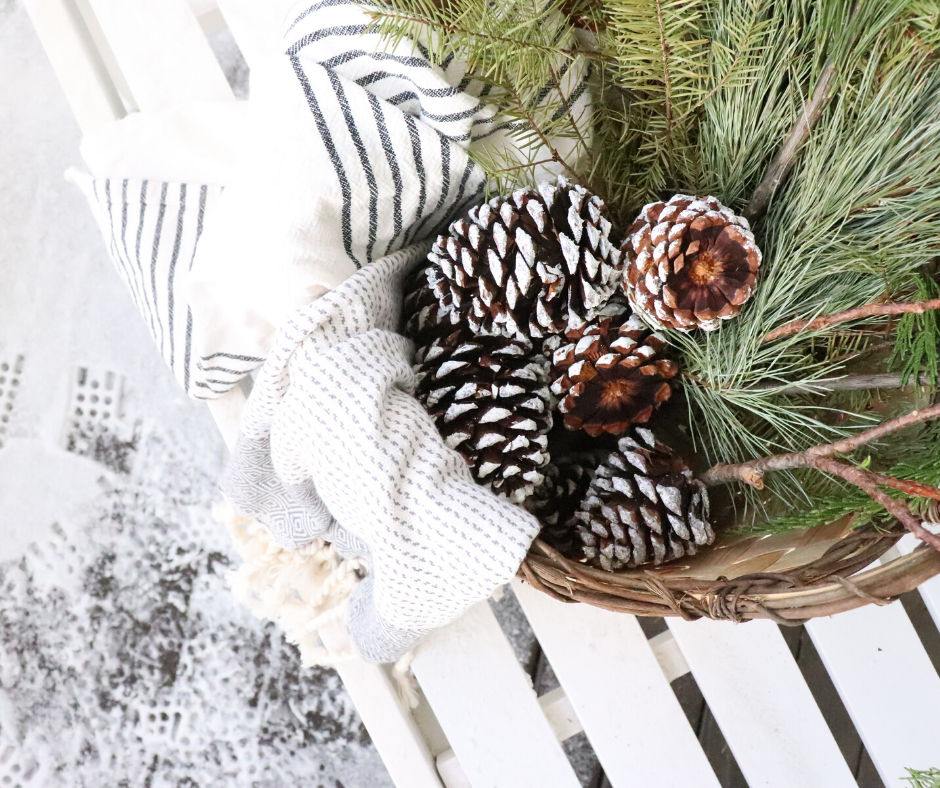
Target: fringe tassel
[{"x": 300, "y": 590}]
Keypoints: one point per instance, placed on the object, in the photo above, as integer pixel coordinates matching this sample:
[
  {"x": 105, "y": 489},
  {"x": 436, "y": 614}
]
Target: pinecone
[
  {"x": 490, "y": 401},
  {"x": 424, "y": 318},
  {"x": 556, "y": 501},
  {"x": 612, "y": 377},
  {"x": 644, "y": 506},
  {"x": 691, "y": 263},
  {"x": 533, "y": 264}
]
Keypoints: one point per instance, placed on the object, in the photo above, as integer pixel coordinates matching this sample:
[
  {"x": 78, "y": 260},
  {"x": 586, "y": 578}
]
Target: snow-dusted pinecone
[
  {"x": 643, "y": 506},
  {"x": 613, "y": 376},
  {"x": 536, "y": 263},
  {"x": 424, "y": 318},
  {"x": 555, "y": 502},
  {"x": 691, "y": 263},
  {"x": 490, "y": 401}
]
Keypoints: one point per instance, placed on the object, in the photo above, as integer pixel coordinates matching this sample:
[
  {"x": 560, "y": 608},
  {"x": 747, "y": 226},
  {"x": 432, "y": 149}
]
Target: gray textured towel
[{"x": 334, "y": 444}]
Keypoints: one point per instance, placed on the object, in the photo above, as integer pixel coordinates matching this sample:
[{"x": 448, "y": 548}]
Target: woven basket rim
[{"x": 841, "y": 579}]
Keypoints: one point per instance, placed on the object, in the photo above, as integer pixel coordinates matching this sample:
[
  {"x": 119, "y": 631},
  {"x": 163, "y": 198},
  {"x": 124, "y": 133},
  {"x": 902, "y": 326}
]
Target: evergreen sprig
[
  {"x": 698, "y": 96},
  {"x": 929, "y": 778}
]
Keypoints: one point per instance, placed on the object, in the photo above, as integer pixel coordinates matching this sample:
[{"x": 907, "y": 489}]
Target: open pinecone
[
  {"x": 427, "y": 320},
  {"x": 533, "y": 264},
  {"x": 643, "y": 506},
  {"x": 613, "y": 376},
  {"x": 490, "y": 401},
  {"x": 554, "y": 503},
  {"x": 691, "y": 263}
]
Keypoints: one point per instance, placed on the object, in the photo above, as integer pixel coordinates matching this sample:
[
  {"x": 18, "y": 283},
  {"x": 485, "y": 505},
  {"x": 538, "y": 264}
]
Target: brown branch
[
  {"x": 898, "y": 509},
  {"x": 778, "y": 171},
  {"x": 847, "y": 445},
  {"x": 858, "y": 313},
  {"x": 821, "y": 458},
  {"x": 906, "y": 486}
]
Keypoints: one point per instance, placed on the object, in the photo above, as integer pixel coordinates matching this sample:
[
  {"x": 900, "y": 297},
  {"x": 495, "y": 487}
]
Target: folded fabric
[
  {"x": 354, "y": 156},
  {"x": 334, "y": 444}
]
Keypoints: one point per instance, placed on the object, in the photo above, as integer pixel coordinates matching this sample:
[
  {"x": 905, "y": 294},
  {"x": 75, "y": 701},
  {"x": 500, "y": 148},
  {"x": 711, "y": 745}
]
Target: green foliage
[
  {"x": 917, "y": 342},
  {"x": 929, "y": 778},
  {"x": 698, "y": 96}
]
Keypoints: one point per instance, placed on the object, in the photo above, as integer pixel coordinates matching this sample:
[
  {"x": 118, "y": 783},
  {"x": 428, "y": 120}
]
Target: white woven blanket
[{"x": 333, "y": 444}]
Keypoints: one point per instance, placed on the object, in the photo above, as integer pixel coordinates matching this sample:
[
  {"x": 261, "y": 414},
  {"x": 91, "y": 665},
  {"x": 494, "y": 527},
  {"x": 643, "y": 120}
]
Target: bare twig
[
  {"x": 798, "y": 135},
  {"x": 858, "y": 313},
  {"x": 847, "y": 383},
  {"x": 854, "y": 442},
  {"x": 821, "y": 458}
]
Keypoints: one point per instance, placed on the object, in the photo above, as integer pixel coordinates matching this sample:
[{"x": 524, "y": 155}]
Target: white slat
[
  {"x": 392, "y": 728},
  {"x": 617, "y": 688},
  {"x": 487, "y": 707},
  {"x": 929, "y": 591},
  {"x": 82, "y": 75},
  {"x": 764, "y": 708},
  {"x": 887, "y": 683},
  {"x": 162, "y": 51},
  {"x": 256, "y": 26}
]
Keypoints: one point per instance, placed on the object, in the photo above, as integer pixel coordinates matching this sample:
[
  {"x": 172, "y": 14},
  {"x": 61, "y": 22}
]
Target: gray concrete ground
[{"x": 123, "y": 659}]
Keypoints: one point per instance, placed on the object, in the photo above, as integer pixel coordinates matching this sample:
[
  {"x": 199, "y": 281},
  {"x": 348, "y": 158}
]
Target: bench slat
[
  {"x": 929, "y": 591},
  {"x": 762, "y": 704},
  {"x": 391, "y": 726},
  {"x": 82, "y": 75},
  {"x": 162, "y": 51},
  {"x": 257, "y": 27},
  {"x": 618, "y": 690},
  {"x": 887, "y": 683},
  {"x": 485, "y": 703}
]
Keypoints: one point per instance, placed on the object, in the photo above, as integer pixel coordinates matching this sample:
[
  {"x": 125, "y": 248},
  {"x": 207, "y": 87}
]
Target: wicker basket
[{"x": 788, "y": 578}]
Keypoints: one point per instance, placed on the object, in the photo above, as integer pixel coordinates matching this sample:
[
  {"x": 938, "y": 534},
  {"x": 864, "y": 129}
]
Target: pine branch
[
  {"x": 858, "y": 313},
  {"x": 798, "y": 135},
  {"x": 821, "y": 458}
]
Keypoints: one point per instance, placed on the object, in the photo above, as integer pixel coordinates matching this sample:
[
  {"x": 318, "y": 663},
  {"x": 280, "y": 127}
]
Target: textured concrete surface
[{"x": 123, "y": 659}]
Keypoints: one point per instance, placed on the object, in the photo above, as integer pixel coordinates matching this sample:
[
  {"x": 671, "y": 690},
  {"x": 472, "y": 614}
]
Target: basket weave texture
[{"x": 787, "y": 578}]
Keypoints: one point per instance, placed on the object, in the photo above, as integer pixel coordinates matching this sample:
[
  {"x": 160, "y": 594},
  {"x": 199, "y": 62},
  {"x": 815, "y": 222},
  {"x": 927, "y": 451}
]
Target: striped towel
[{"x": 356, "y": 156}]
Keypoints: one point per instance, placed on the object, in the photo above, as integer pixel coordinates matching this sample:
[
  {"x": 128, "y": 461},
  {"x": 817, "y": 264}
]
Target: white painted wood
[
  {"x": 669, "y": 655},
  {"x": 257, "y": 26},
  {"x": 929, "y": 591},
  {"x": 162, "y": 51},
  {"x": 887, "y": 683},
  {"x": 391, "y": 726},
  {"x": 487, "y": 707},
  {"x": 762, "y": 704},
  {"x": 80, "y": 71},
  {"x": 619, "y": 692},
  {"x": 559, "y": 712}
]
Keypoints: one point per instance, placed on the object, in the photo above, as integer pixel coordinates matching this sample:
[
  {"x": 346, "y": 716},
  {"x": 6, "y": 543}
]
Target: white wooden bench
[{"x": 480, "y": 723}]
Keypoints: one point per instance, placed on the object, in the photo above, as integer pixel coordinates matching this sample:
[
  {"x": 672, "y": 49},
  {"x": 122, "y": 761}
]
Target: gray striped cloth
[{"x": 361, "y": 154}]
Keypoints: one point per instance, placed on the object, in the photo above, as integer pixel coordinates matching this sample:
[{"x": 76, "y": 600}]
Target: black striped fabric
[
  {"x": 152, "y": 230},
  {"x": 382, "y": 159}
]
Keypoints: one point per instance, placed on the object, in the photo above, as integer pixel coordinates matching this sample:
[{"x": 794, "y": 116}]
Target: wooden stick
[
  {"x": 848, "y": 383},
  {"x": 821, "y": 458},
  {"x": 798, "y": 135},
  {"x": 859, "y": 312}
]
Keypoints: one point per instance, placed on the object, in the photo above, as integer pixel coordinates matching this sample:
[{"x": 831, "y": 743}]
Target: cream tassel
[{"x": 300, "y": 590}]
